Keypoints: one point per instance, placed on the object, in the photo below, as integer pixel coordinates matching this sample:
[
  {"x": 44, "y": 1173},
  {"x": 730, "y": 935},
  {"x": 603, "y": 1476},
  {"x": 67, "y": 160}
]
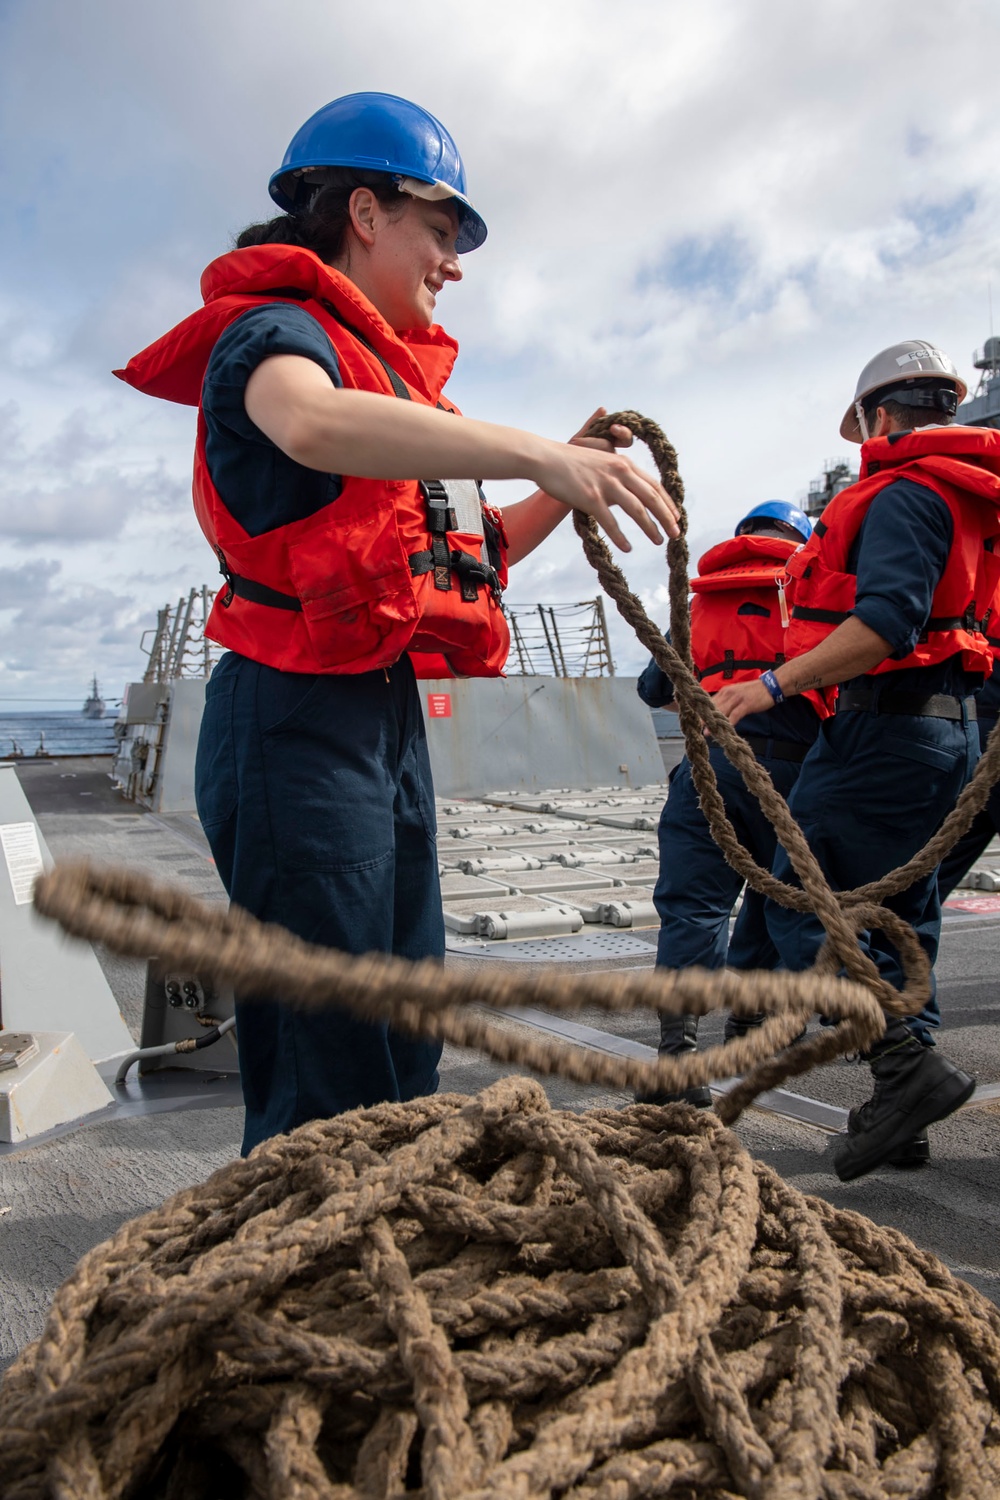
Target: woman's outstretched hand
[{"x": 589, "y": 474}]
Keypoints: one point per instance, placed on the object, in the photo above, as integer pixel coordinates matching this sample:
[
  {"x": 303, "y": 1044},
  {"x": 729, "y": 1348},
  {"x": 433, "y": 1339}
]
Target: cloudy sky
[{"x": 712, "y": 214}]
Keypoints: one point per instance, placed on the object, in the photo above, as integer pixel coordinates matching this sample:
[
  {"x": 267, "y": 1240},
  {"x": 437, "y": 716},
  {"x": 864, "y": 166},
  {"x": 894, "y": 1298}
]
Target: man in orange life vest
[
  {"x": 738, "y": 628},
  {"x": 889, "y": 599}
]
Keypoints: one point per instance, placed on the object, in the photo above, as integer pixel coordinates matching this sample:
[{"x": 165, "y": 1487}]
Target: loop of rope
[
  {"x": 487, "y": 1299},
  {"x": 137, "y": 916},
  {"x": 698, "y": 713}
]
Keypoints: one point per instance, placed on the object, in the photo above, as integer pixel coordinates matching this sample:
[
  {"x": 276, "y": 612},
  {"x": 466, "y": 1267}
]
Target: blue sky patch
[
  {"x": 937, "y": 221},
  {"x": 710, "y": 264}
]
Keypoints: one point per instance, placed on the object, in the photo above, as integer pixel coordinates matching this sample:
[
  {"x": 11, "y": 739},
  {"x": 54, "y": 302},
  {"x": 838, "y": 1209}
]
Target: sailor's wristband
[{"x": 773, "y": 686}]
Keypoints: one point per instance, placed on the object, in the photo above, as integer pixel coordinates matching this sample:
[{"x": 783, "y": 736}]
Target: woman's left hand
[{"x": 531, "y": 520}]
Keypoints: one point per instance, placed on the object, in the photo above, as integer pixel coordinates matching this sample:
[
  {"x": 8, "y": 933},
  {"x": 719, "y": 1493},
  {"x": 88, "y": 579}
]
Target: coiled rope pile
[{"x": 486, "y": 1298}]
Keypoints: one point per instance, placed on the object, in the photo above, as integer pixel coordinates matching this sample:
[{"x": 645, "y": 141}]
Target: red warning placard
[
  {"x": 439, "y": 705},
  {"x": 973, "y": 903}
]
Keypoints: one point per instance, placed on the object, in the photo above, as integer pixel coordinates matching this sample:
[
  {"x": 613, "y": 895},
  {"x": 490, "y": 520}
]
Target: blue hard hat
[
  {"x": 380, "y": 133},
  {"x": 779, "y": 510}
]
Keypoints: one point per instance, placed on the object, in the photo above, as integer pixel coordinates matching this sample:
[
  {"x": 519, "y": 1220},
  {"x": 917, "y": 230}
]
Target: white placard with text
[{"x": 23, "y": 858}]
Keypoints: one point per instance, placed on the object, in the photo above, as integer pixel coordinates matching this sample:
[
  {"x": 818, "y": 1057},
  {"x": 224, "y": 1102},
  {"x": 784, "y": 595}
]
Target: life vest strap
[
  {"x": 820, "y": 616},
  {"x": 255, "y": 593},
  {"x": 440, "y": 520},
  {"x": 731, "y": 664},
  {"x": 967, "y": 621},
  {"x": 398, "y": 385},
  {"x": 471, "y": 572}
]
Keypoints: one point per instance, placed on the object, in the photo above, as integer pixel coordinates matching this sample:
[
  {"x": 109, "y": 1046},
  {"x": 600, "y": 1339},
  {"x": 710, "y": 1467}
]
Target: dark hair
[
  {"x": 768, "y": 526},
  {"x": 322, "y": 221},
  {"x": 933, "y": 403}
]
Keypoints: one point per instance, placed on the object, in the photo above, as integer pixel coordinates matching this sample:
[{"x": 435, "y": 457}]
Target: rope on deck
[{"x": 487, "y": 1299}]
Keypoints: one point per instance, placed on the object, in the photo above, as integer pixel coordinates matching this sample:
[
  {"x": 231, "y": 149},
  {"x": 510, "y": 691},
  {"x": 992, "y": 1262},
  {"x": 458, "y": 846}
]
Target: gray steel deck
[{"x": 62, "y": 1196}]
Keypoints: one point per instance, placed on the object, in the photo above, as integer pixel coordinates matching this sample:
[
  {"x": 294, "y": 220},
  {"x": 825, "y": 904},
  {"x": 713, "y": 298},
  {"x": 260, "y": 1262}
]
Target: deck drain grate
[{"x": 551, "y": 950}]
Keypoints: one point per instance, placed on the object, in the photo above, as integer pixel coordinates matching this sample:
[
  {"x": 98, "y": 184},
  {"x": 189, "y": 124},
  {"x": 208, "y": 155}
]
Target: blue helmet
[
  {"x": 779, "y": 510},
  {"x": 380, "y": 133}
]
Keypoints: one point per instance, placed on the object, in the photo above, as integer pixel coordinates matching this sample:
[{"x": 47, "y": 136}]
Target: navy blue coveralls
[
  {"x": 878, "y": 782},
  {"x": 985, "y": 825},
  {"x": 696, "y": 889},
  {"x": 314, "y": 790}
]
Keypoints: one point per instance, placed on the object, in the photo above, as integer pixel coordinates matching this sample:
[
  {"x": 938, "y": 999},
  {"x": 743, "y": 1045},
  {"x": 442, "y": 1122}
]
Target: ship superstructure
[
  {"x": 983, "y": 409},
  {"x": 837, "y": 475}
]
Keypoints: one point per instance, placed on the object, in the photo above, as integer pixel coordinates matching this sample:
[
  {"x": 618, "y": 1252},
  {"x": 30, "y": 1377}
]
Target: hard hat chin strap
[{"x": 862, "y": 421}]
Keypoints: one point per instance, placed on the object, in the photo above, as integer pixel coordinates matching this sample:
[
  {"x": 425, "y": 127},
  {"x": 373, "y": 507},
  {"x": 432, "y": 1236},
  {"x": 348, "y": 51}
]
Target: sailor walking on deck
[
  {"x": 738, "y": 627},
  {"x": 889, "y": 601},
  {"x": 331, "y": 480}
]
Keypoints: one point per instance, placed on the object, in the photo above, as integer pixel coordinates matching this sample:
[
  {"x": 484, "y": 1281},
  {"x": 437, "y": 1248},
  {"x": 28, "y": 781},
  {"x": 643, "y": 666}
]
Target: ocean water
[{"x": 65, "y": 733}]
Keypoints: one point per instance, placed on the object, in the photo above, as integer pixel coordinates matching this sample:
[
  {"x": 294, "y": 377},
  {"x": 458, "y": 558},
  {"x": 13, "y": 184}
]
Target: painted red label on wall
[
  {"x": 962, "y": 902},
  {"x": 439, "y": 705}
]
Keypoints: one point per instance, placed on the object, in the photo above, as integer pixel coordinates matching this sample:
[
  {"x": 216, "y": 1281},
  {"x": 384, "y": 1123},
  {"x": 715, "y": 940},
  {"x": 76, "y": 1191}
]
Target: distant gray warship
[{"x": 94, "y": 706}]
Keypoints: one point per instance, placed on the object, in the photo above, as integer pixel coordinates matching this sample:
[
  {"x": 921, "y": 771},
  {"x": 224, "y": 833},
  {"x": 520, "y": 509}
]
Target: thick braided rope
[
  {"x": 131, "y": 914},
  {"x": 487, "y": 1299},
  {"x": 483, "y": 1298},
  {"x": 842, "y": 913},
  {"x": 137, "y": 916}
]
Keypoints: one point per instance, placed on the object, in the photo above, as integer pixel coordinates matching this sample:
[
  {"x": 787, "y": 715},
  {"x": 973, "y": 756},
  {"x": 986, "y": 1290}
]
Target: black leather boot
[
  {"x": 913, "y": 1153},
  {"x": 914, "y": 1087},
  {"x": 679, "y": 1036}
]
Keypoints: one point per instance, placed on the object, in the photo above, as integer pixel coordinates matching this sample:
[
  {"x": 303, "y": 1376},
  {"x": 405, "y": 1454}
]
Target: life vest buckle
[
  {"x": 471, "y": 573},
  {"x": 440, "y": 513},
  {"x": 226, "y": 598},
  {"x": 440, "y": 520}
]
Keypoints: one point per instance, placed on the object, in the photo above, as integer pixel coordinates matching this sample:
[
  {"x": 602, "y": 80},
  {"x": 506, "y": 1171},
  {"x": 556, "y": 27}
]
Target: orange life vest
[
  {"x": 389, "y": 566},
  {"x": 738, "y": 612},
  {"x": 962, "y": 465}
]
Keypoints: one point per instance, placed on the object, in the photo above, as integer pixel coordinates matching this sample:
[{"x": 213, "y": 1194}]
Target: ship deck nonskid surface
[{"x": 65, "y": 1194}]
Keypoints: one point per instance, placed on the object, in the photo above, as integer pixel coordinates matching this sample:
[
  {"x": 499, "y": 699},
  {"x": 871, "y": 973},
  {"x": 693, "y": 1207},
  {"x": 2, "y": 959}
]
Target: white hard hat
[{"x": 896, "y": 372}]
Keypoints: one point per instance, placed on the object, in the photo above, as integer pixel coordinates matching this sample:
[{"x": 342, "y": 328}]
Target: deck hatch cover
[{"x": 584, "y": 946}]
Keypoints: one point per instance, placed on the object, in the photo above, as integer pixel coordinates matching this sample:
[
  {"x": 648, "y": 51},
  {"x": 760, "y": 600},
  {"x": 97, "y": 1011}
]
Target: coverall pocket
[
  {"x": 921, "y": 752},
  {"x": 216, "y": 781},
  {"x": 289, "y": 697}
]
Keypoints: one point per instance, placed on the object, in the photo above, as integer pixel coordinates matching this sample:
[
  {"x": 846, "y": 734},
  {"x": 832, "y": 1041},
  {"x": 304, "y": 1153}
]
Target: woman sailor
[{"x": 331, "y": 478}]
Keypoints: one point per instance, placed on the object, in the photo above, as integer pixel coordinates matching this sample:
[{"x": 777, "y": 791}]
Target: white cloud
[{"x": 712, "y": 214}]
